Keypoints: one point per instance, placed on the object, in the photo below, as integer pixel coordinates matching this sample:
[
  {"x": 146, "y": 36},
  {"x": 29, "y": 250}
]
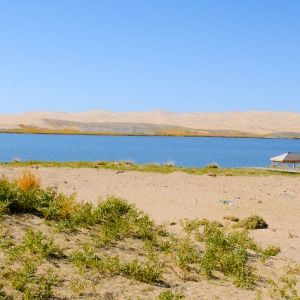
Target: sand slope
[
  {"x": 171, "y": 197},
  {"x": 255, "y": 122}
]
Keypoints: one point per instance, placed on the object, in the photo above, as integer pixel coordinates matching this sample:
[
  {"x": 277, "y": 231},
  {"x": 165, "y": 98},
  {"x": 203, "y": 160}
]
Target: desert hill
[{"x": 157, "y": 122}]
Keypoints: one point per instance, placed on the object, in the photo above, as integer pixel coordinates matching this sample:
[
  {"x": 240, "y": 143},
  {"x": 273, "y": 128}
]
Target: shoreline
[
  {"x": 122, "y": 166},
  {"x": 250, "y": 136}
]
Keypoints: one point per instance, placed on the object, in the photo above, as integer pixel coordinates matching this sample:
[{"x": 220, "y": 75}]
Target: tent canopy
[{"x": 289, "y": 157}]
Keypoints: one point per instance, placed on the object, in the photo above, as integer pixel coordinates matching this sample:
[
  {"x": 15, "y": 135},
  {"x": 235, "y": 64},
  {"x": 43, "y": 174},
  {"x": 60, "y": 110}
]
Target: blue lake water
[{"x": 183, "y": 151}]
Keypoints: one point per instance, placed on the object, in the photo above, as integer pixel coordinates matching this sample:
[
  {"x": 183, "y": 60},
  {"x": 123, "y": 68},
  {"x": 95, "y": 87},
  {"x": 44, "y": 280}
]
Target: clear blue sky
[{"x": 188, "y": 55}]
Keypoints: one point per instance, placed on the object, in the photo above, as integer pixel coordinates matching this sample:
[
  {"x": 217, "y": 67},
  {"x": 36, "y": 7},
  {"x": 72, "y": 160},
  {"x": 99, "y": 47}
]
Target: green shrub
[
  {"x": 119, "y": 219},
  {"x": 69, "y": 214},
  {"x": 24, "y": 276},
  {"x": 169, "y": 295},
  {"x": 4, "y": 208},
  {"x": 44, "y": 285},
  {"x": 227, "y": 254},
  {"x": 35, "y": 243},
  {"x": 190, "y": 225},
  {"x": 110, "y": 265},
  {"x": 252, "y": 222},
  {"x": 30, "y": 284},
  {"x": 271, "y": 251},
  {"x": 16, "y": 200},
  {"x": 85, "y": 259},
  {"x": 184, "y": 253},
  {"x": 283, "y": 288},
  {"x": 293, "y": 270},
  {"x": 146, "y": 271},
  {"x": 77, "y": 287}
]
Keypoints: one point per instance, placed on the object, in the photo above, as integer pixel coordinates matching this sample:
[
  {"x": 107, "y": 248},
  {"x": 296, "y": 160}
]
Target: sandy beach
[{"x": 172, "y": 197}]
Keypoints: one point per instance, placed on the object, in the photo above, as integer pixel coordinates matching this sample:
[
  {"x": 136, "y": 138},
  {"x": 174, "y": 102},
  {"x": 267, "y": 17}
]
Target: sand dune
[
  {"x": 171, "y": 197},
  {"x": 253, "y": 122}
]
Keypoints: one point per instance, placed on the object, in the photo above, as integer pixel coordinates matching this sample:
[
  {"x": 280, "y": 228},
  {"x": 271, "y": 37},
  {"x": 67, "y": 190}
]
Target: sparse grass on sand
[
  {"x": 115, "y": 251},
  {"x": 211, "y": 170}
]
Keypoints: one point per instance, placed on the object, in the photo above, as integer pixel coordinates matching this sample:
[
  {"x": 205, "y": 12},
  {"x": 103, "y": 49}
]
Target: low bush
[
  {"x": 169, "y": 295},
  {"x": 271, "y": 251},
  {"x": 119, "y": 219},
  {"x": 190, "y": 225},
  {"x": 184, "y": 253},
  {"x": 144, "y": 271},
  {"x": 283, "y": 288},
  {"x": 293, "y": 270},
  {"x": 33, "y": 286},
  {"x": 23, "y": 276},
  {"x": 13, "y": 199},
  {"x": 252, "y": 222},
  {"x": 212, "y": 166},
  {"x": 228, "y": 254},
  {"x": 34, "y": 246},
  {"x": 116, "y": 216},
  {"x": 39, "y": 244},
  {"x": 84, "y": 259}
]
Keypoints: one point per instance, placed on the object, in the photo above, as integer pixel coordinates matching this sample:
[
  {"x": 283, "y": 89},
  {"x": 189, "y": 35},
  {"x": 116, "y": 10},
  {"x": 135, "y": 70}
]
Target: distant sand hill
[{"x": 251, "y": 123}]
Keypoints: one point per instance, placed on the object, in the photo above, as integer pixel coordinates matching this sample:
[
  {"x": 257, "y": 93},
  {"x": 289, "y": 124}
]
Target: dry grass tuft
[
  {"x": 231, "y": 218},
  {"x": 228, "y": 173},
  {"x": 28, "y": 181}
]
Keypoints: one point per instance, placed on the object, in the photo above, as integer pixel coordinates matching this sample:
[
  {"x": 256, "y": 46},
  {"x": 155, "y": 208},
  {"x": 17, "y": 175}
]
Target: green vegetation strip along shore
[
  {"x": 161, "y": 131},
  {"x": 122, "y": 241},
  {"x": 167, "y": 168}
]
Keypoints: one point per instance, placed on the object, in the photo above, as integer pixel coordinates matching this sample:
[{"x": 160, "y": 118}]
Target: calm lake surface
[{"x": 183, "y": 151}]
